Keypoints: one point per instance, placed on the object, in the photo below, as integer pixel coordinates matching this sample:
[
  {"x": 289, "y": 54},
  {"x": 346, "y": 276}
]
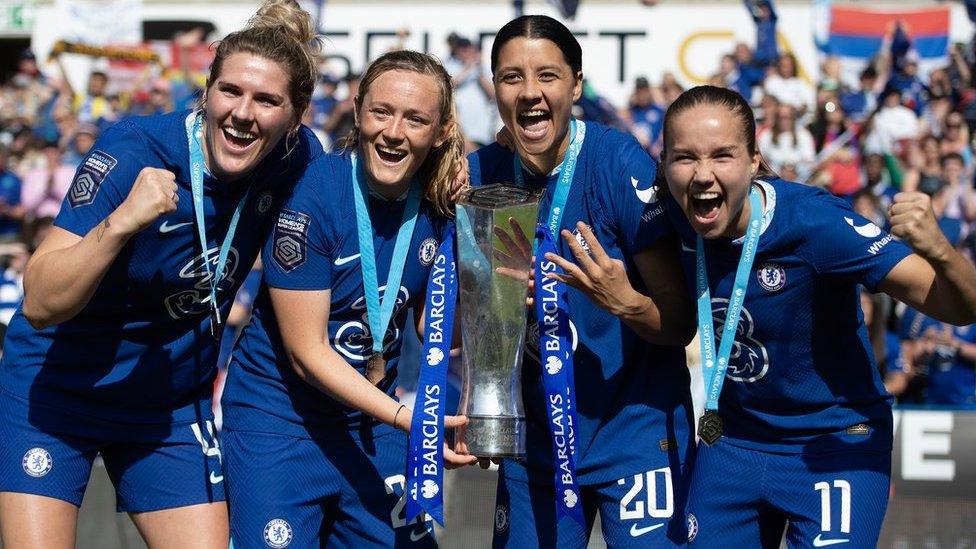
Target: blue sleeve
[
  {"x": 840, "y": 242},
  {"x": 103, "y": 179},
  {"x": 634, "y": 207},
  {"x": 474, "y": 169},
  {"x": 298, "y": 254}
]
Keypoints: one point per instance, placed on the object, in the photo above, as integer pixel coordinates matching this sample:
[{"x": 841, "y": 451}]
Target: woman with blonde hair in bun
[{"x": 113, "y": 351}]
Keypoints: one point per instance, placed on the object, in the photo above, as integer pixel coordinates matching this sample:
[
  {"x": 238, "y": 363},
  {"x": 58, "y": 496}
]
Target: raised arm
[
  {"x": 64, "y": 272},
  {"x": 937, "y": 280}
]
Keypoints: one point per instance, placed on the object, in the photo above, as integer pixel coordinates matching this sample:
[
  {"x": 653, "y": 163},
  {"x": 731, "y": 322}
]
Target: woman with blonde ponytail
[
  {"x": 314, "y": 438},
  {"x": 114, "y": 349}
]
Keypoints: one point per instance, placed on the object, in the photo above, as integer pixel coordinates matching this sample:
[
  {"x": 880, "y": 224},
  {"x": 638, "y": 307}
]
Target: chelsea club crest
[
  {"x": 278, "y": 533},
  {"x": 37, "y": 462},
  {"x": 771, "y": 277},
  {"x": 428, "y": 249}
]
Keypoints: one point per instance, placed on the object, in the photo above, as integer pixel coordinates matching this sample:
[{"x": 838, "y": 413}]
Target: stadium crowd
[{"x": 892, "y": 129}]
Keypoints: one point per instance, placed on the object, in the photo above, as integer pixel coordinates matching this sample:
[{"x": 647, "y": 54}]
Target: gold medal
[
  {"x": 710, "y": 427},
  {"x": 375, "y": 368}
]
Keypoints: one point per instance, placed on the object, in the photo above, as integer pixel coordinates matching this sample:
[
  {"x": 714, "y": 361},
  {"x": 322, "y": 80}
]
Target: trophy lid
[{"x": 499, "y": 195}]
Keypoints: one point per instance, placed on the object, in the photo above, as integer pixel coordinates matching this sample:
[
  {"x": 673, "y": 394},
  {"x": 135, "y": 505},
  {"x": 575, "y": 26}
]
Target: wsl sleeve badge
[
  {"x": 291, "y": 239},
  {"x": 89, "y": 178}
]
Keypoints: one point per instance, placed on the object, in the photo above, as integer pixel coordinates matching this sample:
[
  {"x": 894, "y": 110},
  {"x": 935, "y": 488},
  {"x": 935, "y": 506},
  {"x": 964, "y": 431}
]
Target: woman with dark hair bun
[
  {"x": 629, "y": 406},
  {"x": 114, "y": 350},
  {"x": 801, "y": 435}
]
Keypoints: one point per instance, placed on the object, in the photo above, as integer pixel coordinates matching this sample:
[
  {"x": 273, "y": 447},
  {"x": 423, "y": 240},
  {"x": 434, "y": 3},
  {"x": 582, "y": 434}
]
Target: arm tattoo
[{"x": 101, "y": 229}]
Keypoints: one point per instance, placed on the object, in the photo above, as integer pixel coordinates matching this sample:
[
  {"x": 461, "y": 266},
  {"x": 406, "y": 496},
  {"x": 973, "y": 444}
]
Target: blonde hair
[
  {"x": 284, "y": 33},
  {"x": 443, "y": 163}
]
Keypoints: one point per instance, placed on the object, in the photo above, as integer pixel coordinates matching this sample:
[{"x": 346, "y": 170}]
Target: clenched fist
[
  {"x": 913, "y": 221},
  {"x": 152, "y": 195}
]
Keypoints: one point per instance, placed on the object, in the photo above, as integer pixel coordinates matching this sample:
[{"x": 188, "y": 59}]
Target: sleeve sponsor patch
[
  {"x": 291, "y": 239},
  {"x": 89, "y": 178}
]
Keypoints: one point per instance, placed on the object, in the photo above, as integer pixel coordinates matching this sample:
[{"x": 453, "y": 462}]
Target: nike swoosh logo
[
  {"x": 817, "y": 542},
  {"x": 166, "y": 227},
  {"x": 343, "y": 260},
  {"x": 647, "y": 195},
  {"x": 417, "y": 536},
  {"x": 869, "y": 230},
  {"x": 215, "y": 478},
  {"x": 635, "y": 531},
  {"x": 686, "y": 248}
]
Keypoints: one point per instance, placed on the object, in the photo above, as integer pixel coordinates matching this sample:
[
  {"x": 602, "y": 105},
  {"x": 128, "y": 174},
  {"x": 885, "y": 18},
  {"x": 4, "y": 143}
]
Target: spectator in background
[
  {"x": 786, "y": 86},
  {"x": 956, "y": 138},
  {"x": 787, "y": 146},
  {"x": 860, "y": 103},
  {"x": 324, "y": 102},
  {"x": 892, "y": 124},
  {"x": 80, "y": 143},
  {"x": 45, "y": 186},
  {"x": 960, "y": 197},
  {"x": 474, "y": 93},
  {"x": 160, "y": 97},
  {"x": 341, "y": 122},
  {"x": 942, "y": 357},
  {"x": 646, "y": 116},
  {"x": 764, "y": 15},
  {"x": 93, "y": 106},
  {"x": 837, "y": 149},
  {"x": 11, "y": 212},
  {"x": 877, "y": 181}
]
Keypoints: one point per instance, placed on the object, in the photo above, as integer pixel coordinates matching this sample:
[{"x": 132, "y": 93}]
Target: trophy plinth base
[{"x": 495, "y": 436}]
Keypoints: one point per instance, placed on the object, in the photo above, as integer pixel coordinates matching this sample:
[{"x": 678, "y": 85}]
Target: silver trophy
[{"x": 495, "y": 226}]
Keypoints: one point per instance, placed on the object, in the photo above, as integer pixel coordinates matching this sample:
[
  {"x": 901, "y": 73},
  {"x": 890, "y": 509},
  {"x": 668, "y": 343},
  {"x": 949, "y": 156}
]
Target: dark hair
[
  {"x": 540, "y": 27},
  {"x": 712, "y": 95},
  {"x": 951, "y": 156}
]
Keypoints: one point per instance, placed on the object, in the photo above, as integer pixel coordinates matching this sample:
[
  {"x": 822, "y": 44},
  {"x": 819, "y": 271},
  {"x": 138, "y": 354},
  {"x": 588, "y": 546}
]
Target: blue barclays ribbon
[
  {"x": 713, "y": 369},
  {"x": 425, "y": 457},
  {"x": 194, "y": 122},
  {"x": 379, "y": 312},
  {"x": 556, "y": 359}
]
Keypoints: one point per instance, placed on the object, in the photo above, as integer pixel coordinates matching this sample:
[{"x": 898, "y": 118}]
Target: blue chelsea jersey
[
  {"x": 633, "y": 399},
  {"x": 802, "y": 374},
  {"x": 141, "y": 351},
  {"x": 314, "y": 246}
]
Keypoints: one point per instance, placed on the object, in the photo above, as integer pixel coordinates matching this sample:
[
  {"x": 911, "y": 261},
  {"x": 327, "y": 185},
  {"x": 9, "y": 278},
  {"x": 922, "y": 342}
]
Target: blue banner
[
  {"x": 425, "y": 456},
  {"x": 556, "y": 359}
]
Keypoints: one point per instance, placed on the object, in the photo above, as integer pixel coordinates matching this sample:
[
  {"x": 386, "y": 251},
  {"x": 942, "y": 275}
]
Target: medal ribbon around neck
[
  {"x": 714, "y": 368},
  {"x": 425, "y": 451},
  {"x": 555, "y": 337},
  {"x": 380, "y": 312},
  {"x": 194, "y": 123}
]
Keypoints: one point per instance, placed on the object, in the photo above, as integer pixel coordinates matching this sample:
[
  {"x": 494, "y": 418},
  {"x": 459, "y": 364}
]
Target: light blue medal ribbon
[
  {"x": 714, "y": 369},
  {"x": 555, "y": 339},
  {"x": 194, "y": 123},
  {"x": 425, "y": 455},
  {"x": 380, "y": 312}
]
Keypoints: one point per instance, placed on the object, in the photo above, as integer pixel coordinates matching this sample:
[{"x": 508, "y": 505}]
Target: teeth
[
  {"x": 705, "y": 196},
  {"x": 388, "y": 150},
  {"x": 240, "y": 134},
  {"x": 535, "y": 112}
]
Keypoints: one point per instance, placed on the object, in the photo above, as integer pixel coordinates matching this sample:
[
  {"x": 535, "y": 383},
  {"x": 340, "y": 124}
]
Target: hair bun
[{"x": 286, "y": 15}]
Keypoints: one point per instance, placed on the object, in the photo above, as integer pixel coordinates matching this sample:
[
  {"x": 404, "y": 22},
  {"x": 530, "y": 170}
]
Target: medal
[
  {"x": 216, "y": 324},
  {"x": 715, "y": 365},
  {"x": 375, "y": 368},
  {"x": 710, "y": 427},
  {"x": 380, "y": 307}
]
